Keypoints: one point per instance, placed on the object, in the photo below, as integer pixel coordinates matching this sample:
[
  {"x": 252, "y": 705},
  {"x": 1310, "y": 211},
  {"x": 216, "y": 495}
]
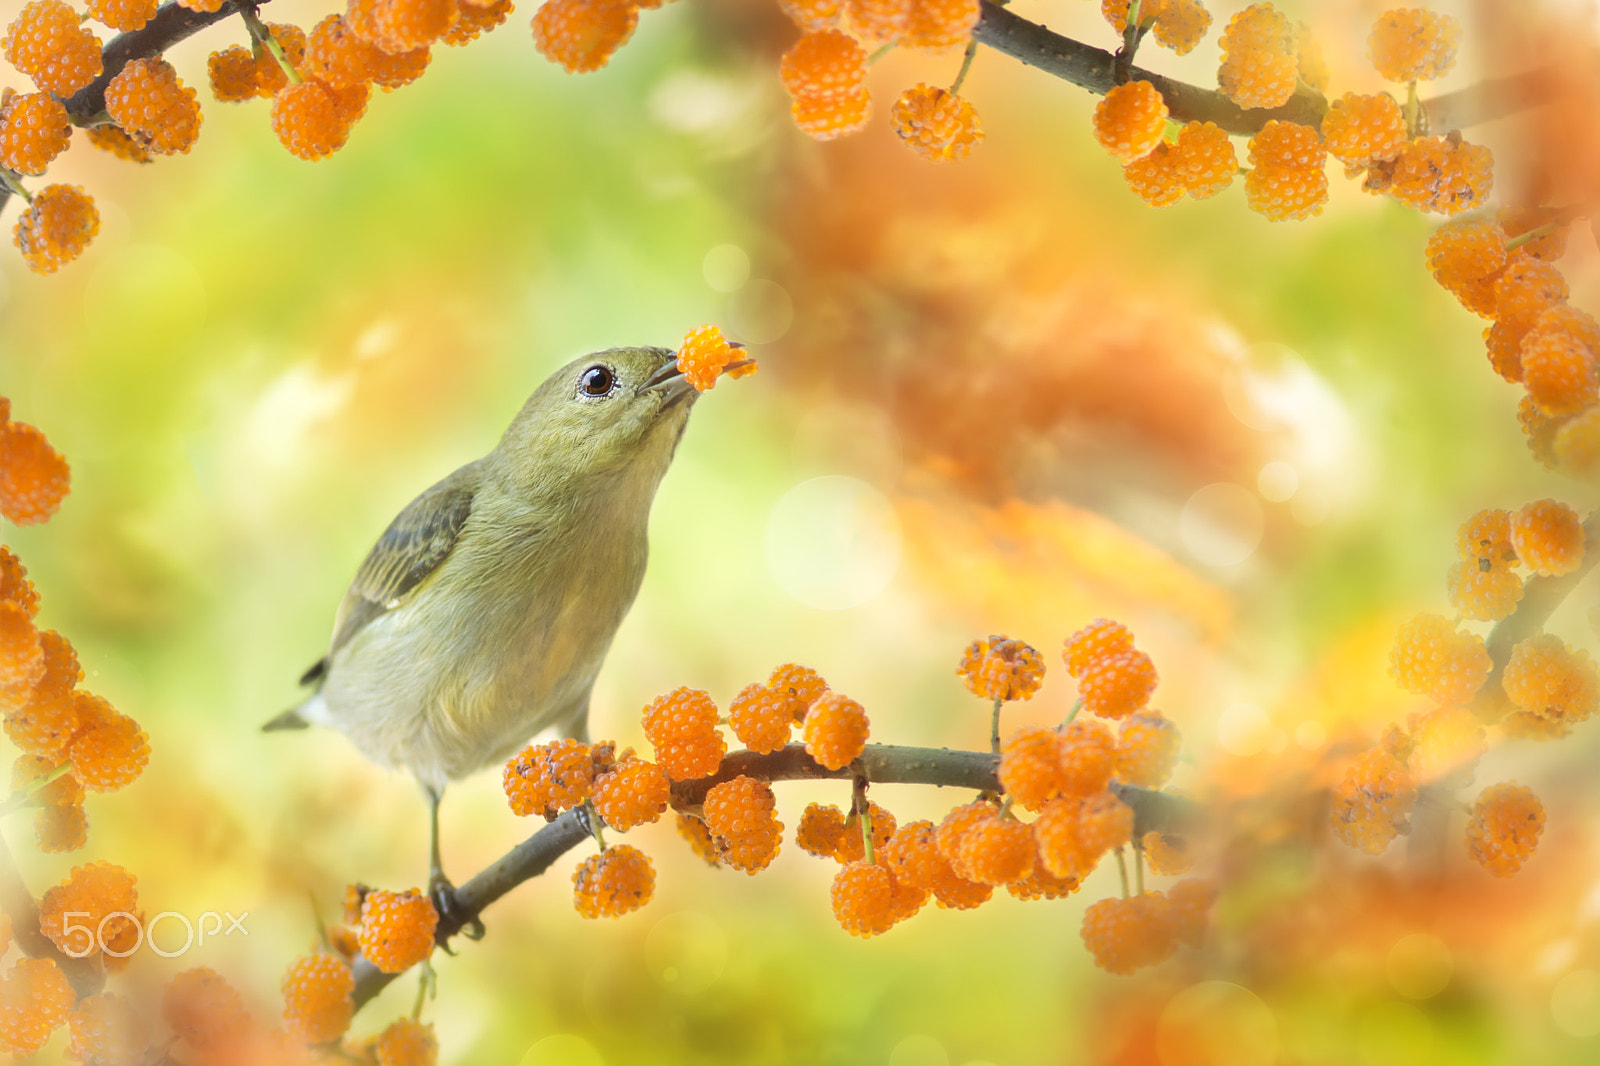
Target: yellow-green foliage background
[{"x": 261, "y": 360}]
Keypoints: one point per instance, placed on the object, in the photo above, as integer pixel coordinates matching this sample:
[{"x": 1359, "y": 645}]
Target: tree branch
[
  {"x": 170, "y": 25},
  {"x": 1487, "y": 101},
  {"x": 18, "y": 904},
  {"x": 880, "y": 763}
]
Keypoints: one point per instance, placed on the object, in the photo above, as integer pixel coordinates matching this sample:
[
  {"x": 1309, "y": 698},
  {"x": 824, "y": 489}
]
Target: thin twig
[{"x": 966, "y": 66}]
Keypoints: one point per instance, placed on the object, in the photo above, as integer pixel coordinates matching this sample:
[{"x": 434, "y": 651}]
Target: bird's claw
[{"x": 453, "y": 916}]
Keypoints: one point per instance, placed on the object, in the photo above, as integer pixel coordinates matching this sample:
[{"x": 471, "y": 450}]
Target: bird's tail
[{"x": 290, "y": 719}]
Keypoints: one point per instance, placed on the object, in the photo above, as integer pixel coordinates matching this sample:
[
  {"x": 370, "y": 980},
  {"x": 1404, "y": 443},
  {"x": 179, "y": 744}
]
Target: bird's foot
[{"x": 453, "y": 914}]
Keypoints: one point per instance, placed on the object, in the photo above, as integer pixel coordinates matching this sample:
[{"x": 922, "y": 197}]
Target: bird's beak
[{"x": 672, "y": 385}]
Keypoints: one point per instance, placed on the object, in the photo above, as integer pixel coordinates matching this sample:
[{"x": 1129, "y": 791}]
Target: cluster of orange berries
[
  {"x": 34, "y": 477},
  {"x": 706, "y": 355},
  {"x": 825, "y": 71},
  {"x": 1544, "y": 688},
  {"x": 1264, "y": 58}
]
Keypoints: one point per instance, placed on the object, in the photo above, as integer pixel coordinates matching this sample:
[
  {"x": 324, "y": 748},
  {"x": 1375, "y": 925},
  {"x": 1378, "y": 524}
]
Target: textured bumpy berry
[
  {"x": 825, "y": 118},
  {"x": 1442, "y": 174},
  {"x": 1147, "y": 751},
  {"x": 123, "y": 14},
  {"x": 115, "y": 139},
  {"x": 407, "y": 1042},
  {"x": 313, "y": 120},
  {"x": 316, "y": 997},
  {"x": 613, "y": 883},
  {"x": 940, "y": 23},
  {"x": 997, "y": 851},
  {"x": 698, "y": 837},
  {"x": 1547, "y": 678},
  {"x": 935, "y": 124},
  {"x": 1118, "y": 685},
  {"x": 1042, "y": 884},
  {"x": 1204, "y": 159},
  {"x": 397, "y": 929},
  {"x": 820, "y": 830},
  {"x": 1506, "y": 823},
  {"x": 583, "y": 35},
  {"x": 813, "y": 15},
  {"x": 863, "y": 899},
  {"x": 1547, "y": 536},
  {"x": 1559, "y": 356},
  {"x": 1410, "y": 44},
  {"x": 476, "y": 20},
  {"x": 147, "y": 99},
  {"x": 203, "y": 1010},
  {"x": 1167, "y": 855},
  {"x": 704, "y": 354},
  {"x": 802, "y": 686},
  {"x": 1481, "y": 592},
  {"x": 1031, "y": 771},
  {"x": 34, "y": 129},
  {"x": 91, "y": 895},
  {"x": 549, "y": 778},
  {"x": 835, "y": 730},
  {"x": 1088, "y": 755},
  {"x": 636, "y": 792},
  {"x": 741, "y": 816},
  {"x": 1260, "y": 65},
  {"x": 270, "y": 76},
  {"x": 682, "y": 726},
  {"x": 15, "y": 587},
  {"x": 1287, "y": 179},
  {"x": 1099, "y": 640},
  {"x": 233, "y": 74},
  {"x": 1001, "y": 669},
  {"x": 1373, "y": 801},
  {"x": 109, "y": 751},
  {"x": 407, "y": 25},
  {"x": 1431, "y": 657},
  {"x": 1125, "y": 935},
  {"x": 22, "y": 662},
  {"x": 52, "y": 232},
  {"x": 35, "y": 999},
  {"x": 760, "y": 718},
  {"x": 914, "y": 856},
  {"x": 879, "y": 22},
  {"x": 1362, "y": 130},
  {"x": 107, "y": 1030},
  {"x": 852, "y": 847},
  {"x": 1129, "y": 120},
  {"x": 46, "y": 42},
  {"x": 1155, "y": 177},
  {"x": 824, "y": 65},
  {"x": 1466, "y": 256}
]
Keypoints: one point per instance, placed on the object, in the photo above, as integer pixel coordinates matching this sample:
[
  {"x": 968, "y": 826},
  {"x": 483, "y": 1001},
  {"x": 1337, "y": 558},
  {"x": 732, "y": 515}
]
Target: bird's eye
[{"x": 597, "y": 381}]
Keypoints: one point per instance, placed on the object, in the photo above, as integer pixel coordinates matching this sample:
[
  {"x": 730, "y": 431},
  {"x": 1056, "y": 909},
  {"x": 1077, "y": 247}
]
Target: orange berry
[
  {"x": 1543, "y": 431},
  {"x": 1481, "y": 592},
  {"x": 115, "y": 139},
  {"x": 476, "y": 20},
  {"x": 940, "y": 23},
  {"x": 618, "y": 880},
  {"x": 1446, "y": 745},
  {"x": 35, "y": 1000},
  {"x": 835, "y": 731},
  {"x": 997, "y": 851},
  {"x": 740, "y": 815},
  {"x": 1088, "y": 757},
  {"x": 147, "y": 99},
  {"x": 1167, "y": 855},
  {"x": 51, "y": 233},
  {"x": 955, "y": 827},
  {"x": 582, "y": 35},
  {"x": 202, "y": 5},
  {"x": 122, "y": 14},
  {"x": 1466, "y": 256},
  {"x": 863, "y": 898},
  {"x": 1189, "y": 902},
  {"x": 22, "y": 662},
  {"x": 60, "y": 827},
  {"x": 1116, "y": 12},
  {"x": 1286, "y": 180},
  {"x": 800, "y": 684},
  {"x": 339, "y": 57},
  {"x": 1413, "y": 44},
  {"x": 826, "y": 64},
  {"x": 1360, "y": 130},
  {"x": 821, "y": 828},
  {"x": 1559, "y": 357},
  {"x": 682, "y": 726},
  {"x": 549, "y": 778},
  {"x": 1204, "y": 159},
  {"x": 1103, "y": 822},
  {"x": 203, "y": 1010},
  {"x": 1147, "y": 751},
  {"x": 107, "y": 1030},
  {"x": 760, "y": 717},
  {"x": 1442, "y": 174},
  {"x": 1487, "y": 536},
  {"x": 397, "y": 929},
  {"x": 1573, "y": 445},
  {"x": 1181, "y": 24},
  {"x": 1125, "y": 935},
  {"x": 1431, "y": 657},
  {"x": 48, "y": 44},
  {"x": 406, "y": 25},
  {"x": 233, "y": 74},
  {"x": 34, "y": 129},
  {"x": 317, "y": 1006},
  {"x": 699, "y": 837},
  {"x": 49, "y": 718},
  {"x": 14, "y": 584},
  {"x": 1001, "y": 669},
  {"x": 1260, "y": 65},
  {"x": 1119, "y": 685},
  {"x": 935, "y": 124},
  {"x": 813, "y": 15},
  {"x": 1031, "y": 767},
  {"x": 96, "y": 907},
  {"x": 1547, "y": 678},
  {"x": 1101, "y": 639},
  {"x": 311, "y": 120},
  {"x": 1042, "y": 884},
  {"x": 1519, "y": 220},
  {"x": 1524, "y": 292},
  {"x": 1373, "y": 801},
  {"x": 635, "y": 793},
  {"x": 851, "y": 847},
  {"x": 1521, "y": 725},
  {"x": 1548, "y": 537},
  {"x": 407, "y": 1042},
  {"x": 913, "y": 855},
  {"x": 825, "y": 118},
  {"x": 880, "y": 22},
  {"x": 703, "y": 356},
  {"x": 110, "y": 750},
  {"x": 269, "y": 72},
  {"x": 1507, "y": 820},
  {"x": 1155, "y": 178},
  {"x": 1129, "y": 120}
]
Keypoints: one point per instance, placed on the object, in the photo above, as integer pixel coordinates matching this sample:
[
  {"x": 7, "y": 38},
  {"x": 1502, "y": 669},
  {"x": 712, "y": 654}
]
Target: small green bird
[{"x": 483, "y": 613}]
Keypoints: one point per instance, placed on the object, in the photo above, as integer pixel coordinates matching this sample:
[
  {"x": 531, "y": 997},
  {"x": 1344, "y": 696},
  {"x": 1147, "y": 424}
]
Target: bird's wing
[{"x": 419, "y": 539}]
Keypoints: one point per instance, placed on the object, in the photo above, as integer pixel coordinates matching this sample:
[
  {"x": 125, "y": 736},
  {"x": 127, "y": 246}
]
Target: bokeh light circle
[
  {"x": 726, "y": 268},
  {"x": 1244, "y": 729},
  {"x": 760, "y": 312},
  {"x": 1221, "y": 524},
  {"x": 686, "y": 952},
  {"x": 1575, "y": 1004},
  {"x": 833, "y": 542},
  {"x": 1277, "y": 481},
  {"x": 1419, "y": 966},
  {"x": 562, "y": 1049},
  {"x": 919, "y": 1050},
  {"x": 1216, "y": 1023}
]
